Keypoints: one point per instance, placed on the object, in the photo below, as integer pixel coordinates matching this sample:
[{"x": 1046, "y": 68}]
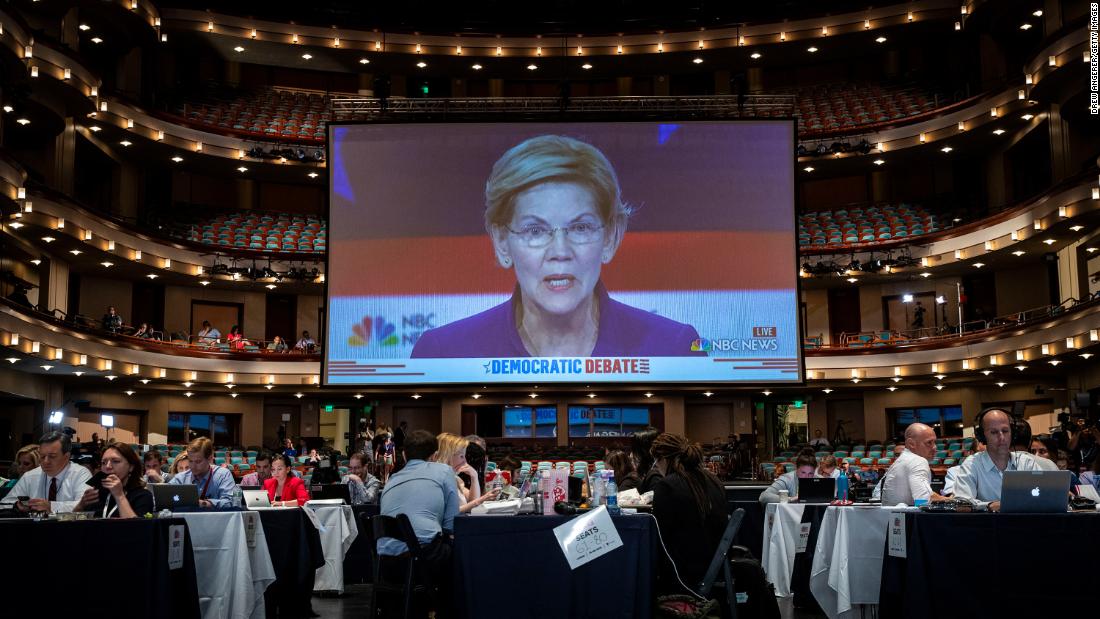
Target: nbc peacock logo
[
  {"x": 700, "y": 345},
  {"x": 384, "y": 333}
]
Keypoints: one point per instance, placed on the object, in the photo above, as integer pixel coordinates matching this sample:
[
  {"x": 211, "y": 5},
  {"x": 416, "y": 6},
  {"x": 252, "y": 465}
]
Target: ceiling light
[
  {"x": 188, "y": 384},
  {"x": 48, "y": 239},
  {"x": 1038, "y": 13},
  {"x": 1077, "y": 228},
  {"x": 421, "y": 64},
  {"x": 16, "y": 225},
  {"x": 939, "y": 387},
  {"x": 1049, "y": 241},
  {"x": 755, "y": 56},
  {"x": 896, "y": 379},
  {"x": 812, "y": 50},
  {"x": 358, "y": 396},
  {"x": 1025, "y": 26},
  {"x": 1054, "y": 362},
  {"x": 95, "y": 128},
  {"x": 1001, "y": 384},
  {"x": 270, "y": 286},
  {"x": 188, "y": 394},
  {"x": 12, "y": 359},
  {"x": 808, "y": 168},
  {"x": 306, "y": 56},
  {"x": 23, "y": 121},
  {"x": 476, "y": 67},
  {"x": 940, "y": 376},
  {"x": 978, "y": 265},
  {"x": 110, "y": 377},
  {"x": 827, "y": 390},
  {"x": 878, "y": 162},
  {"x": 152, "y": 276},
  {"x": 97, "y": 40},
  {"x": 1021, "y": 367},
  {"x": 708, "y": 393},
  {"x": 238, "y": 49},
  {"x": 84, "y": 27},
  {"x": 233, "y": 395},
  {"x": 648, "y": 394},
  {"x": 229, "y": 385},
  {"x": 129, "y": 392},
  {"x": 1090, "y": 249},
  {"x": 947, "y": 149},
  {"x": 987, "y": 372},
  {"x": 125, "y": 142},
  {"x": 312, "y": 175},
  {"x": 364, "y": 61},
  {"x": 177, "y": 159},
  {"x": 204, "y": 283},
  {"x": 926, "y": 274},
  {"x": 852, "y": 280},
  {"x": 144, "y": 381},
  {"x": 532, "y": 67},
  {"x": 75, "y": 252},
  {"x": 998, "y": 131},
  {"x": 891, "y": 388},
  {"x": 242, "y": 169},
  {"x": 47, "y": 367},
  {"x": 697, "y": 60},
  {"x": 856, "y": 380},
  {"x": 1028, "y": 116},
  {"x": 766, "y": 393},
  {"x": 1086, "y": 355},
  {"x": 269, "y": 386},
  {"x": 586, "y": 66},
  {"x": 36, "y": 262}
]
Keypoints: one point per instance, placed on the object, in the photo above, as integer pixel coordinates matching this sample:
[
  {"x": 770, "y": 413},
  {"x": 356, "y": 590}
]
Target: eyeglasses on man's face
[{"x": 541, "y": 235}]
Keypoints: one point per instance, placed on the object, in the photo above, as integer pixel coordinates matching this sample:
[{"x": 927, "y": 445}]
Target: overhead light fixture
[
  {"x": 532, "y": 67},
  {"x": 947, "y": 149},
  {"x": 1028, "y": 116},
  {"x": 812, "y": 49},
  {"x": 84, "y": 27},
  {"x": 708, "y": 393},
  {"x": 23, "y": 121},
  {"x": 204, "y": 283},
  {"x": 891, "y": 388},
  {"x": 47, "y": 367},
  {"x": 144, "y": 381},
  {"x": 998, "y": 132},
  {"x": 126, "y": 142},
  {"x": 697, "y": 60},
  {"x": 95, "y": 128},
  {"x": 110, "y": 377},
  {"x": 880, "y": 40},
  {"x": 152, "y": 276},
  {"x": 766, "y": 393},
  {"x": 242, "y": 169},
  {"x": 307, "y": 56},
  {"x": 270, "y": 286},
  {"x": 755, "y": 55},
  {"x": 97, "y": 40},
  {"x": 1021, "y": 367},
  {"x": 1000, "y": 384},
  {"x": 987, "y": 372},
  {"x": 1018, "y": 252},
  {"x": 364, "y": 61},
  {"x": 188, "y": 394},
  {"x": 177, "y": 159},
  {"x": 1038, "y": 13},
  {"x": 188, "y": 384},
  {"x": 1025, "y": 26},
  {"x": 358, "y": 396},
  {"x": 939, "y": 387},
  {"x": 421, "y": 64},
  {"x": 75, "y": 252},
  {"x": 1054, "y": 362},
  {"x": 299, "y": 395},
  {"x": 1086, "y": 355},
  {"x": 878, "y": 162},
  {"x": 233, "y": 395},
  {"x": 827, "y": 391},
  {"x": 476, "y": 67},
  {"x": 1077, "y": 228},
  {"x": 808, "y": 168},
  {"x": 129, "y": 392},
  {"x": 926, "y": 274},
  {"x": 852, "y": 280},
  {"x": 586, "y": 66},
  {"x": 1049, "y": 241},
  {"x": 48, "y": 239},
  {"x": 36, "y": 262},
  {"x": 978, "y": 265}
]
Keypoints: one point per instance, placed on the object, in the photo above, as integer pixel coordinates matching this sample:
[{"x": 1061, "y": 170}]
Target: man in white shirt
[
  {"x": 981, "y": 475},
  {"x": 819, "y": 442},
  {"x": 57, "y": 485},
  {"x": 909, "y": 478}
]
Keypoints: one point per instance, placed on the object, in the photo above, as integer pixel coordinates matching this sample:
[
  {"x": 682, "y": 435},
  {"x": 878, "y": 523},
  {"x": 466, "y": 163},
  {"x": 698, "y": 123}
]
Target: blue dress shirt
[
  {"x": 220, "y": 491},
  {"x": 427, "y": 493}
]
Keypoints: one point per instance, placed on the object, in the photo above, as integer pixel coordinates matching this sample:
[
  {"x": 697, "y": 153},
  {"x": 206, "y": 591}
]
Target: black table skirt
[
  {"x": 296, "y": 553},
  {"x": 983, "y": 565},
  {"x": 96, "y": 568},
  {"x": 751, "y": 533},
  {"x": 512, "y": 567},
  {"x": 803, "y": 561},
  {"x": 357, "y": 561}
]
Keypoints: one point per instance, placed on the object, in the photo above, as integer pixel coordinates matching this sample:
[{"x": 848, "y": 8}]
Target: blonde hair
[
  {"x": 202, "y": 445},
  {"x": 549, "y": 158},
  {"x": 26, "y": 450},
  {"x": 175, "y": 468},
  {"x": 450, "y": 445}
]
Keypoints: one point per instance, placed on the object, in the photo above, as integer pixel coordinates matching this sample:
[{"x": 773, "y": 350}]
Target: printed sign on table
[
  {"x": 175, "y": 546},
  {"x": 803, "y": 537},
  {"x": 897, "y": 535},
  {"x": 587, "y": 537}
]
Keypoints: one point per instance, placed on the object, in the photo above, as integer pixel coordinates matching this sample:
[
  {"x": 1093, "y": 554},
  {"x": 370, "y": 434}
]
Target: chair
[
  {"x": 399, "y": 528},
  {"x": 720, "y": 561}
]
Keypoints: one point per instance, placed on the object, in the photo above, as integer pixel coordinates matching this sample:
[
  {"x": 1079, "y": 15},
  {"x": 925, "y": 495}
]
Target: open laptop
[
  {"x": 330, "y": 491},
  {"x": 1035, "y": 492},
  {"x": 172, "y": 496},
  {"x": 256, "y": 498},
  {"x": 816, "y": 490}
]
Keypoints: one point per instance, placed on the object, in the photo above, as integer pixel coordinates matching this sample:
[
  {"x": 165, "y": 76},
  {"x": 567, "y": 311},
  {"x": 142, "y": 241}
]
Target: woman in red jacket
[{"x": 284, "y": 488}]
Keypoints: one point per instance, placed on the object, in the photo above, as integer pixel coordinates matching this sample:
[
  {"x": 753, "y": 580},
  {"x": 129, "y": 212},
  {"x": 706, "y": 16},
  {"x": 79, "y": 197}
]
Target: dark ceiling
[{"x": 508, "y": 17}]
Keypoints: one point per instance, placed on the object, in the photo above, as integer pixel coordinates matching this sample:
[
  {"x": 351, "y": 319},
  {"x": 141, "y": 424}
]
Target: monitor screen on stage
[{"x": 535, "y": 253}]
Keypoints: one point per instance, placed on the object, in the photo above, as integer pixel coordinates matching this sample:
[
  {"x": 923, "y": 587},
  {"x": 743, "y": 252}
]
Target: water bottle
[
  {"x": 595, "y": 484},
  {"x": 611, "y": 495},
  {"x": 238, "y": 497},
  {"x": 842, "y": 487}
]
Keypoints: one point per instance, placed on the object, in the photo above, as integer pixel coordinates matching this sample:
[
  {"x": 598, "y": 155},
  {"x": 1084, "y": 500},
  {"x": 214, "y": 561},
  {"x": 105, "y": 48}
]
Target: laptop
[
  {"x": 816, "y": 490},
  {"x": 256, "y": 498},
  {"x": 330, "y": 491},
  {"x": 172, "y": 496},
  {"x": 1035, "y": 492}
]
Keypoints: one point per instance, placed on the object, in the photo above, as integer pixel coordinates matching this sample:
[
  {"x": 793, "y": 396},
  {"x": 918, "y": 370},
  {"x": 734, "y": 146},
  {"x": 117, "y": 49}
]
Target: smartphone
[{"x": 24, "y": 499}]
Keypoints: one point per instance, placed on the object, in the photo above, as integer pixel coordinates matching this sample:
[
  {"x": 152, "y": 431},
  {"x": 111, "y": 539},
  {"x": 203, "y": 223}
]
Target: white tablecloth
[
  {"x": 338, "y": 529},
  {"x": 232, "y": 573},
  {"x": 847, "y": 567},
  {"x": 781, "y": 532}
]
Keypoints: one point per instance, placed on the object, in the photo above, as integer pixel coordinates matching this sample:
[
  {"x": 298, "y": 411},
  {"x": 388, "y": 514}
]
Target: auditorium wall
[
  {"x": 177, "y": 307},
  {"x": 817, "y": 314},
  {"x": 99, "y": 293},
  {"x": 707, "y": 422},
  {"x": 1013, "y": 297}
]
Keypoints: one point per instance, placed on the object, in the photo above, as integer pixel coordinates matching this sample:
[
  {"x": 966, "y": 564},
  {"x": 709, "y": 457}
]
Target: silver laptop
[
  {"x": 172, "y": 496},
  {"x": 1035, "y": 492},
  {"x": 256, "y": 498}
]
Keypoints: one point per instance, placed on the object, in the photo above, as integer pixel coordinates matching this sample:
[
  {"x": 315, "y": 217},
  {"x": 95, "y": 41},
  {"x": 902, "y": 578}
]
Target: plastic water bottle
[
  {"x": 596, "y": 493},
  {"x": 611, "y": 495},
  {"x": 238, "y": 497},
  {"x": 842, "y": 487}
]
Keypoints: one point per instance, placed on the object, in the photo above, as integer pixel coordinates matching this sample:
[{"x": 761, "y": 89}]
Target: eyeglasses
[{"x": 578, "y": 233}]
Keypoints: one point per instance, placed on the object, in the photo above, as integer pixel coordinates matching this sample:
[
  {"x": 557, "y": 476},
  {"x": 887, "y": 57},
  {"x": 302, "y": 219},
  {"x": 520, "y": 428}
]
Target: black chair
[
  {"x": 720, "y": 561},
  {"x": 399, "y": 528}
]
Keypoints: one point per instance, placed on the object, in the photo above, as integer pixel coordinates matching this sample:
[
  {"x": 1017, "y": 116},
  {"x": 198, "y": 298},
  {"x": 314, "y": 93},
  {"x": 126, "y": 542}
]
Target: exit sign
[{"x": 328, "y": 408}]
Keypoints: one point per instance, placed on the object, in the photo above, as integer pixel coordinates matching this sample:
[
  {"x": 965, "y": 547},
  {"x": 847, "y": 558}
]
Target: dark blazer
[
  {"x": 140, "y": 499},
  {"x": 624, "y": 331},
  {"x": 294, "y": 488},
  {"x": 691, "y": 537}
]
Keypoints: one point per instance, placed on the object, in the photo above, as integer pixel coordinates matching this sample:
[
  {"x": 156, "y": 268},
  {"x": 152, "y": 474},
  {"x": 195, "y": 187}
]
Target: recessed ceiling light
[
  {"x": 755, "y": 56},
  {"x": 878, "y": 162},
  {"x": 23, "y": 121},
  {"x": 852, "y": 280},
  {"x": 129, "y": 392},
  {"x": 152, "y": 276},
  {"x": 978, "y": 265},
  {"x": 1090, "y": 249},
  {"x": 188, "y": 394},
  {"x": 12, "y": 359},
  {"x": 708, "y": 393},
  {"x": 766, "y": 392},
  {"x": 1018, "y": 252},
  {"x": 1025, "y": 26},
  {"x": 1049, "y": 241},
  {"x": 1000, "y": 384},
  {"x": 75, "y": 252},
  {"x": 697, "y": 60},
  {"x": 586, "y": 66},
  {"x": 204, "y": 283},
  {"x": 306, "y": 56},
  {"x": 998, "y": 131},
  {"x": 1086, "y": 355},
  {"x": 987, "y": 372},
  {"x": 1021, "y": 367},
  {"x": 299, "y": 395},
  {"x": 312, "y": 175},
  {"x": 48, "y": 239},
  {"x": 827, "y": 391},
  {"x": 532, "y": 67},
  {"x": 36, "y": 262},
  {"x": 233, "y": 395},
  {"x": 242, "y": 169},
  {"x": 947, "y": 149},
  {"x": 84, "y": 27},
  {"x": 97, "y": 40},
  {"x": 177, "y": 159},
  {"x": 808, "y": 168},
  {"x": 8, "y": 109},
  {"x": 95, "y": 128},
  {"x": 880, "y": 40},
  {"x": 110, "y": 377},
  {"x": 16, "y": 225},
  {"x": 812, "y": 49},
  {"x": 1054, "y": 362},
  {"x": 891, "y": 388},
  {"x": 1038, "y": 13},
  {"x": 939, "y": 387},
  {"x": 926, "y": 274},
  {"x": 47, "y": 367},
  {"x": 1077, "y": 228},
  {"x": 476, "y": 67},
  {"x": 364, "y": 61},
  {"x": 1028, "y": 116},
  {"x": 238, "y": 49},
  {"x": 270, "y": 286},
  {"x": 126, "y": 142}
]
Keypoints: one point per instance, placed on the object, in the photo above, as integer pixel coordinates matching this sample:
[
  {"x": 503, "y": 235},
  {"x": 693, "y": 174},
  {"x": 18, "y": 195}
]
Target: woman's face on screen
[{"x": 558, "y": 277}]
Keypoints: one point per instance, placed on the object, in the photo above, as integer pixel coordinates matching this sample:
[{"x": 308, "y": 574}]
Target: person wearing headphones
[{"x": 981, "y": 475}]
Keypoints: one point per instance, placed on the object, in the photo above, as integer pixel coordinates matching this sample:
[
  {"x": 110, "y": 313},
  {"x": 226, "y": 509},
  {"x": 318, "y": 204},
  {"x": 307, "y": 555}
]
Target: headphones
[{"x": 979, "y": 432}]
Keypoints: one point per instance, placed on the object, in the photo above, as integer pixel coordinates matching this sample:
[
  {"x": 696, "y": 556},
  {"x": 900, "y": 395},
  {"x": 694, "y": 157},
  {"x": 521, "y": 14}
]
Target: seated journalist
[
  {"x": 980, "y": 476},
  {"x": 216, "y": 485},
  {"x": 56, "y": 485},
  {"x": 909, "y": 478},
  {"x": 122, "y": 492}
]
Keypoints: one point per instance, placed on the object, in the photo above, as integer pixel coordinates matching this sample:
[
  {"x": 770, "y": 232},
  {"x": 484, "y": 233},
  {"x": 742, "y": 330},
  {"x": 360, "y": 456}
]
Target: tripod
[{"x": 840, "y": 437}]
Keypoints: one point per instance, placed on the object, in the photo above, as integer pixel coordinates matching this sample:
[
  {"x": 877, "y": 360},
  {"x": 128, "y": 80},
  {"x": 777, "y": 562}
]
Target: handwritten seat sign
[{"x": 587, "y": 537}]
